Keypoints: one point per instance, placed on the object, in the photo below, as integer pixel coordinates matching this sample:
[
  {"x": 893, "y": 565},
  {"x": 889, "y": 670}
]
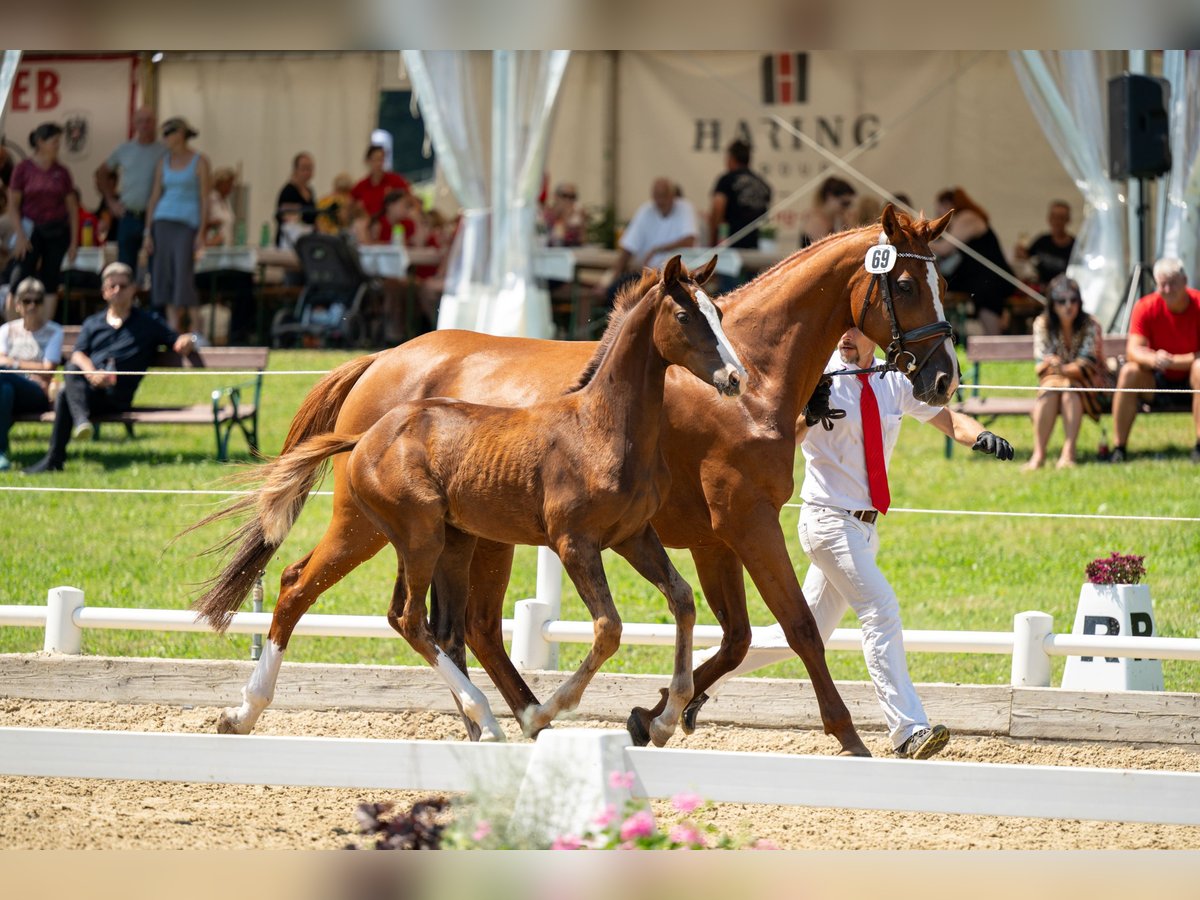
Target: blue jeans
[
  {"x": 18, "y": 395},
  {"x": 131, "y": 229}
]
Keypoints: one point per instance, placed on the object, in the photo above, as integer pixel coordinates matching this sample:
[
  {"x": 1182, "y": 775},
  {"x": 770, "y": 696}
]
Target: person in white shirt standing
[{"x": 845, "y": 490}]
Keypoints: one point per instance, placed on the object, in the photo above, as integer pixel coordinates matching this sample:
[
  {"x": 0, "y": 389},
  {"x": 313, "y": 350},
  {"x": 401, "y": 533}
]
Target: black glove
[
  {"x": 990, "y": 443},
  {"x": 818, "y": 409}
]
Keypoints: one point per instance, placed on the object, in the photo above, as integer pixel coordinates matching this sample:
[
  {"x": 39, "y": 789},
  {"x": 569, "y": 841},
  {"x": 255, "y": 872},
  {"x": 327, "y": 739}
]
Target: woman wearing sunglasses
[
  {"x": 1069, "y": 350},
  {"x": 30, "y": 348}
]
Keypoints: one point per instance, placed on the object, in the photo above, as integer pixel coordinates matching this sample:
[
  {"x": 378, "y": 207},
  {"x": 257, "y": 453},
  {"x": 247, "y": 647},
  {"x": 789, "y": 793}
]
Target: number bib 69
[{"x": 880, "y": 260}]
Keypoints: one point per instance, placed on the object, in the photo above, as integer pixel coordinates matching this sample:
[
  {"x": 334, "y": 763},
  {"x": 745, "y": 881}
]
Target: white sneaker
[
  {"x": 82, "y": 431},
  {"x": 5, "y": 463}
]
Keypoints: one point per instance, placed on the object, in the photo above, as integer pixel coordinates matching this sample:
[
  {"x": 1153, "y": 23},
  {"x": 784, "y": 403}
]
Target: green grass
[{"x": 951, "y": 572}]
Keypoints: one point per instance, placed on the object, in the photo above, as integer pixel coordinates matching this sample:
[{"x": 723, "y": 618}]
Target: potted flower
[{"x": 1113, "y": 601}]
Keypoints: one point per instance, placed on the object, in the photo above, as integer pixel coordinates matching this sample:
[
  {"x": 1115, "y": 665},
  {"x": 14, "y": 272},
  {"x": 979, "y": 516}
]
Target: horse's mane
[
  {"x": 906, "y": 221},
  {"x": 627, "y": 298}
]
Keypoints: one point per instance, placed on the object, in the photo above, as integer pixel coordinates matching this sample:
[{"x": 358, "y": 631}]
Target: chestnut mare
[
  {"x": 731, "y": 463},
  {"x": 578, "y": 473}
]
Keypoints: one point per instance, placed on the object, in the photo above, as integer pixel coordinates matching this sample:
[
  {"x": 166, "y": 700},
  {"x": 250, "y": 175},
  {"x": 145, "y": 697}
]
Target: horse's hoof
[
  {"x": 227, "y": 725},
  {"x": 859, "y": 751},
  {"x": 660, "y": 732},
  {"x": 638, "y": 725},
  {"x": 688, "y": 721},
  {"x": 474, "y": 732},
  {"x": 492, "y": 737}
]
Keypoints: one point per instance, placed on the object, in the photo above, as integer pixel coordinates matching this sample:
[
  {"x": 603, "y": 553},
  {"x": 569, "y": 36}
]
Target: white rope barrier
[
  {"x": 21, "y": 489},
  {"x": 223, "y": 373},
  {"x": 292, "y": 372},
  {"x": 1030, "y": 515},
  {"x": 1095, "y": 390}
]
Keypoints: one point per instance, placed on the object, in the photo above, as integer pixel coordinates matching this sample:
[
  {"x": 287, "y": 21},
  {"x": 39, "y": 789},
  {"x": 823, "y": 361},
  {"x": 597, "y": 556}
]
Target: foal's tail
[
  {"x": 274, "y": 507},
  {"x": 286, "y": 482}
]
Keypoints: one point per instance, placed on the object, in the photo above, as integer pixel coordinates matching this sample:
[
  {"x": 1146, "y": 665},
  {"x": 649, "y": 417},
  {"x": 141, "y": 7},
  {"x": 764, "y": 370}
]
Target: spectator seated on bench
[
  {"x": 987, "y": 406},
  {"x": 224, "y": 410},
  {"x": 30, "y": 348},
  {"x": 122, "y": 338},
  {"x": 1068, "y": 350},
  {"x": 1163, "y": 352}
]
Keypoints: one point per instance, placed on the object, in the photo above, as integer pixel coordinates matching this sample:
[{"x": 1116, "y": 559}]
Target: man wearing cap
[
  {"x": 845, "y": 491},
  {"x": 122, "y": 338},
  {"x": 135, "y": 161}
]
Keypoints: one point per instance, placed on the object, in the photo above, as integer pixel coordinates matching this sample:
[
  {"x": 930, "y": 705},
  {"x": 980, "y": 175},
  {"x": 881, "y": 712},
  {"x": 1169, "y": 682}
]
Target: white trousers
[{"x": 844, "y": 574}]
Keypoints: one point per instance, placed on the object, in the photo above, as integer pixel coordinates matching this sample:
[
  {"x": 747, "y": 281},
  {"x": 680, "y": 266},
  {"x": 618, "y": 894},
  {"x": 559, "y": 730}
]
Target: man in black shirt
[
  {"x": 740, "y": 198},
  {"x": 120, "y": 339},
  {"x": 1051, "y": 252}
]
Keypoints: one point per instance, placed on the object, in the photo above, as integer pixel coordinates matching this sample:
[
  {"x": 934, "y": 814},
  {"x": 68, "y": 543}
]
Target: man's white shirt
[
  {"x": 648, "y": 229},
  {"x": 835, "y": 470}
]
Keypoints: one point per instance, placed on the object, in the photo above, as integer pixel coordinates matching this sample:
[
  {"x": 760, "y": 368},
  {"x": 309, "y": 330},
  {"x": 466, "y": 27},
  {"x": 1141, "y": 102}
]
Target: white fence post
[
  {"x": 530, "y": 650},
  {"x": 549, "y": 591},
  {"x": 1030, "y": 662},
  {"x": 62, "y": 634}
]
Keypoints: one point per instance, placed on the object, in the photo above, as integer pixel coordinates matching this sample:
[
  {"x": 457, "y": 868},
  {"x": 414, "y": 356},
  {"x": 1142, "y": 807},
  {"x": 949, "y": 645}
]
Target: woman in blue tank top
[{"x": 177, "y": 208}]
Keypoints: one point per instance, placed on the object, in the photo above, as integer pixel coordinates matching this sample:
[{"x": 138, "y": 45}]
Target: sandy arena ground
[{"x": 56, "y": 813}]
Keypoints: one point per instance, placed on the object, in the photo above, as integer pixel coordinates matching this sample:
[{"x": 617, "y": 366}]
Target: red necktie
[{"x": 872, "y": 426}]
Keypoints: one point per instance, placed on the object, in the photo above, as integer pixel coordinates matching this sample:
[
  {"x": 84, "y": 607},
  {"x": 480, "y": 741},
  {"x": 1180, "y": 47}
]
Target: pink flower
[
  {"x": 686, "y": 833},
  {"x": 640, "y": 824},
  {"x": 482, "y": 829},
  {"x": 606, "y": 818},
  {"x": 566, "y": 842},
  {"x": 627, "y": 845},
  {"x": 621, "y": 781},
  {"x": 686, "y": 802},
  {"x": 764, "y": 844}
]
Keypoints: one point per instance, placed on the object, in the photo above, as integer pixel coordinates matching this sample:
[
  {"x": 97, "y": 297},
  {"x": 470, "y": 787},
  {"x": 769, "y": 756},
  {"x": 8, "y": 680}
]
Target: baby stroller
[{"x": 329, "y": 311}]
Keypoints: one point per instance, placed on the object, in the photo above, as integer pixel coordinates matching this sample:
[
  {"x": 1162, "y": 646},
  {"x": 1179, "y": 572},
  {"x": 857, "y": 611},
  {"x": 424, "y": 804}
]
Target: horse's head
[
  {"x": 897, "y": 302},
  {"x": 687, "y": 328}
]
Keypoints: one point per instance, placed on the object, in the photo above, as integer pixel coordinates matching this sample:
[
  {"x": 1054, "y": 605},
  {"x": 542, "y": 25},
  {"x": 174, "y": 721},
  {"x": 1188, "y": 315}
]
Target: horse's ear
[
  {"x": 891, "y": 225},
  {"x": 672, "y": 270},
  {"x": 931, "y": 230},
  {"x": 701, "y": 276}
]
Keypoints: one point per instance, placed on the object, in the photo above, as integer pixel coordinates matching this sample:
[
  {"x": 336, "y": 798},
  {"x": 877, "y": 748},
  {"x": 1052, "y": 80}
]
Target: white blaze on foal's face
[{"x": 709, "y": 310}]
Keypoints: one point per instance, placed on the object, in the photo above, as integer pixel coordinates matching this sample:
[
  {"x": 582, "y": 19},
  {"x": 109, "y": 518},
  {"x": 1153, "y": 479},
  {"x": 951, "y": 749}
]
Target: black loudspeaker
[{"x": 1139, "y": 142}]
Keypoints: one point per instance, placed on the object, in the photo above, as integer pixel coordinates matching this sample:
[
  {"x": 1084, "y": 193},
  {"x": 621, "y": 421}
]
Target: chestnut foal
[{"x": 578, "y": 473}]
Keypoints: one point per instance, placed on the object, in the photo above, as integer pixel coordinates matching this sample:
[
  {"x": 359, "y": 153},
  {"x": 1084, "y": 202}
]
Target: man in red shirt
[
  {"x": 1163, "y": 352},
  {"x": 378, "y": 184}
]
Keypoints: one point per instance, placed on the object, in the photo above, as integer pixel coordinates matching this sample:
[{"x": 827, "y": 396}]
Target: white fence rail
[
  {"x": 573, "y": 767},
  {"x": 535, "y": 634}
]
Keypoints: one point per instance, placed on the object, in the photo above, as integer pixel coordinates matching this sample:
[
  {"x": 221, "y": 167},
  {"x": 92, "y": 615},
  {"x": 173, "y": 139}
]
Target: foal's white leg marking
[
  {"x": 474, "y": 705},
  {"x": 256, "y": 695},
  {"x": 723, "y": 346}
]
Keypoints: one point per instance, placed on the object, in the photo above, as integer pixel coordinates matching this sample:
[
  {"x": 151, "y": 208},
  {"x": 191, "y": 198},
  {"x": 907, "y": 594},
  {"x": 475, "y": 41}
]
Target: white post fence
[
  {"x": 564, "y": 779},
  {"x": 536, "y": 631}
]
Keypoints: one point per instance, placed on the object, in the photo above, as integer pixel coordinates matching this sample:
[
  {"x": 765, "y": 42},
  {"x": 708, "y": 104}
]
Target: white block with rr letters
[{"x": 1113, "y": 609}]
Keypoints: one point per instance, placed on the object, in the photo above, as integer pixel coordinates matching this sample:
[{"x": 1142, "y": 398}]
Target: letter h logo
[{"x": 785, "y": 78}]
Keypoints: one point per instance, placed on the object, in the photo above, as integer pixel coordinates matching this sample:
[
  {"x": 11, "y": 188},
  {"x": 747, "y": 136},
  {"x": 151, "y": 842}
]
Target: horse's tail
[
  {"x": 287, "y": 480},
  {"x": 317, "y": 415},
  {"x": 320, "y": 409}
]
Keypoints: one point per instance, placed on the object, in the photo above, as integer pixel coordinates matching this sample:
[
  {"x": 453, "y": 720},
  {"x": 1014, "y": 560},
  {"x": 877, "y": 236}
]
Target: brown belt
[{"x": 866, "y": 515}]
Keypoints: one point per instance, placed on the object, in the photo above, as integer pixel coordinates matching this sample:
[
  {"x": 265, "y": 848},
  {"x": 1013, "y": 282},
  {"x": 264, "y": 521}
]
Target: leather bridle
[{"x": 897, "y": 350}]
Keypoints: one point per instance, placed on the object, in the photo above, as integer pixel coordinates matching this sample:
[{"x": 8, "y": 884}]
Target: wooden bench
[
  {"x": 225, "y": 410},
  {"x": 1008, "y": 348}
]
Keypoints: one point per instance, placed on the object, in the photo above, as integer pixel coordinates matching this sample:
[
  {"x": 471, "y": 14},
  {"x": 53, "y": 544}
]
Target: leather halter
[{"x": 897, "y": 349}]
